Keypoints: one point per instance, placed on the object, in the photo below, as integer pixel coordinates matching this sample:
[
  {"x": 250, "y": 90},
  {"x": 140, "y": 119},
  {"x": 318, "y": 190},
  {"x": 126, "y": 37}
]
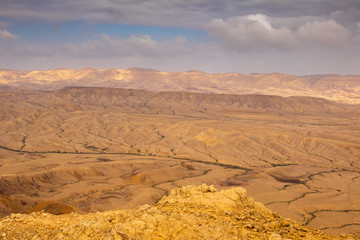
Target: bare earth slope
[
  {"x": 97, "y": 149},
  {"x": 332, "y": 87},
  {"x": 187, "y": 213}
]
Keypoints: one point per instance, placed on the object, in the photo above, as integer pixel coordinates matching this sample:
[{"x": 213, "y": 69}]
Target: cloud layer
[
  {"x": 308, "y": 37},
  {"x": 139, "y": 45},
  {"x": 257, "y": 32},
  {"x": 252, "y": 32},
  {"x": 190, "y": 13}
]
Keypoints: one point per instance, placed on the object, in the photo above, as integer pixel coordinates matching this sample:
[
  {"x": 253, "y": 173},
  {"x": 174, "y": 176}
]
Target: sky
[{"x": 300, "y": 37}]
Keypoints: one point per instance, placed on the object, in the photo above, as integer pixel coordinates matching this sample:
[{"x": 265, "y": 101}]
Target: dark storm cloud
[{"x": 185, "y": 13}]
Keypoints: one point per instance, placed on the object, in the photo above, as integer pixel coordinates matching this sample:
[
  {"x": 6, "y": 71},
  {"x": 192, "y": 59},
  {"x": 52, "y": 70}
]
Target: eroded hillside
[{"x": 99, "y": 149}]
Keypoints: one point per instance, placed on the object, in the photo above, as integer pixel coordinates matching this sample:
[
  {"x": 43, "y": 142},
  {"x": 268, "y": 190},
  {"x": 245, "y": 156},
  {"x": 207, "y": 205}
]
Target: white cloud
[
  {"x": 5, "y": 35},
  {"x": 252, "y": 32},
  {"x": 356, "y": 39},
  {"x": 260, "y": 32},
  {"x": 136, "y": 45},
  {"x": 208, "y": 57},
  {"x": 293, "y": 23},
  {"x": 328, "y": 33}
]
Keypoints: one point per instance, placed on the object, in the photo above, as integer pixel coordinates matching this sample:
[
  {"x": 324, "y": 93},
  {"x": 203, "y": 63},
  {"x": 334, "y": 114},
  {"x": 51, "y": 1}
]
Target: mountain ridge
[{"x": 340, "y": 88}]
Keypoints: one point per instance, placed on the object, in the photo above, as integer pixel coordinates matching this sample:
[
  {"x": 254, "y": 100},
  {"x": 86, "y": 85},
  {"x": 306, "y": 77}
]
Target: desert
[
  {"x": 196, "y": 119},
  {"x": 67, "y": 146}
]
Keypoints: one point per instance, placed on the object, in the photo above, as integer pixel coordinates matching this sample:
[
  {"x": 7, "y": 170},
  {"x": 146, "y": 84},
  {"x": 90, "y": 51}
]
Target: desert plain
[{"x": 97, "y": 148}]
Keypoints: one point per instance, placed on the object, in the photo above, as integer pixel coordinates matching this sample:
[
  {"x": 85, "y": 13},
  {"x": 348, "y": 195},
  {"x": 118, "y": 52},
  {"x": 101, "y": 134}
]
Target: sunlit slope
[{"x": 333, "y": 87}]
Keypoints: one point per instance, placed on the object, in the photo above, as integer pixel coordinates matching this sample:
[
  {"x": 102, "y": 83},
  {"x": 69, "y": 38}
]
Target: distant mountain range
[
  {"x": 166, "y": 102},
  {"x": 338, "y": 88}
]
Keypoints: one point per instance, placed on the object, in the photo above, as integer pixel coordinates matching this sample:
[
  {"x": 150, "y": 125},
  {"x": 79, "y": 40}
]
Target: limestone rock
[{"x": 190, "y": 212}]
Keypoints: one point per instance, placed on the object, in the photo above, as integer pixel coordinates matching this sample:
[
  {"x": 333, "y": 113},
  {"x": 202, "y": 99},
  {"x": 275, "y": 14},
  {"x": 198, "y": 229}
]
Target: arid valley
[{"x": 98, "y": 148}]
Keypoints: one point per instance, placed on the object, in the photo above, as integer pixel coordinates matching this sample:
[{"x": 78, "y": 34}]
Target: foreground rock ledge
[{"x": 190, "y": 212}]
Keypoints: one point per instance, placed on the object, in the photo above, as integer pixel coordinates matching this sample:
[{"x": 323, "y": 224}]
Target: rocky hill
[
  {"x": 190, "y": 212},
  {"x": 332, "y": 87}
]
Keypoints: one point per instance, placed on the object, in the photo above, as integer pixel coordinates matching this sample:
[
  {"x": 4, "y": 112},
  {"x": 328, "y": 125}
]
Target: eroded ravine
[{"x": 123, "y": 155}]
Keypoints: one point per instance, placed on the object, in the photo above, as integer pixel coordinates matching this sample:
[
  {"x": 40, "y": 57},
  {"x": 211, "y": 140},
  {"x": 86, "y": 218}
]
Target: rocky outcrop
[
  {"x": 190, "y": 212},
  {"x": 53, "y": 207}
]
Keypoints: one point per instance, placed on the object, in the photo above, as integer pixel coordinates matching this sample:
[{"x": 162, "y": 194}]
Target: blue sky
[
  {"x": 300, "y": 37},
  {"x": 79, "y": 31}
]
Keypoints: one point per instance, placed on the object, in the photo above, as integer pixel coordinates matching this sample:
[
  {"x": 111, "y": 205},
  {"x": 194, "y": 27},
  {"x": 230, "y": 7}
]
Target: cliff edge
[{"x": 190, "y": 212}]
